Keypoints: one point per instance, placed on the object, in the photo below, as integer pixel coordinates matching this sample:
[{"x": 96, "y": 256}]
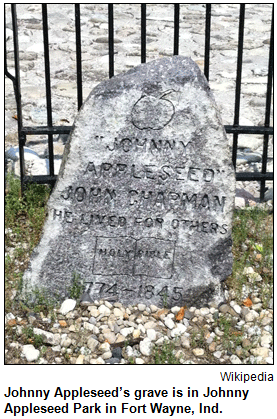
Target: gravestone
[{"x": 142, "y": 208}]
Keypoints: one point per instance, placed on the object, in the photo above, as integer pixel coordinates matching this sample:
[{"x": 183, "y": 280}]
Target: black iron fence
[{"x": 50, "y": 130}]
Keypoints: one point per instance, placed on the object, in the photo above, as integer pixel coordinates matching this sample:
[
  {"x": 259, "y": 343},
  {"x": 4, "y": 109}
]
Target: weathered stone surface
[{"x": 142, "y": 209}]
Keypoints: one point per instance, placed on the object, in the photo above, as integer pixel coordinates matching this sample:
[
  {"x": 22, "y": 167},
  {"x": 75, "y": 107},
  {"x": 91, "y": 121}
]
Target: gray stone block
[{"x": 142, "y": 209}]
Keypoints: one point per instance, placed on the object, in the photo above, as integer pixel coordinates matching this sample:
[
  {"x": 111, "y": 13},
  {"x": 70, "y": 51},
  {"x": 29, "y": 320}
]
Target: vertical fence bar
[
  {"x": 267, "y": 107},
  {"x": 238, "y": 82},
  {"x": 78, "y": 55},
  {"x": 111, "y": 40},
  {"x": 48, "y": 87},
  {"x": 207, "y": 41},
  {"x": 176, "y": 28},
  {"x": 5, "y": 51},
  {"x": 143, "y": 32},
  {"x": 17, "y": 91}
]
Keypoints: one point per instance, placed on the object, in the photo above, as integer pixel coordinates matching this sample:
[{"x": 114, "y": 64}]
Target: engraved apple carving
[{"x": 151, "y": 112}]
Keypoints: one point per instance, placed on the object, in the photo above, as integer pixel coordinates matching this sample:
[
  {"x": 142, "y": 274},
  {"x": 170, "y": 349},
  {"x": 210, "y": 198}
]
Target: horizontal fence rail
[{"x": 50, "y": 130}]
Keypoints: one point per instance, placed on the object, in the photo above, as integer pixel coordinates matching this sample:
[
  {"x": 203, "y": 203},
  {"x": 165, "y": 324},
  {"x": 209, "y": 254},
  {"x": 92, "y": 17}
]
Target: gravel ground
[
  {"x": 237, "y": 332},
  {"x": 104, "y": 333}
]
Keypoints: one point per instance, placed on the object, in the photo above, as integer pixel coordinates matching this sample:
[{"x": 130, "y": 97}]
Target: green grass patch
[
  {"x": 165, "y": 354},
  {"x": 24, "y": 213},
  {"x": 77, "y": 287},
  {"x": 252, "y": 246},
  {"x": 31, "y": 337},
  {"x": 24, "y": 218}
]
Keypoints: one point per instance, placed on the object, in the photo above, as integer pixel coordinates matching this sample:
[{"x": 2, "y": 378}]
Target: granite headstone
[{"x": 142, "y": 208}]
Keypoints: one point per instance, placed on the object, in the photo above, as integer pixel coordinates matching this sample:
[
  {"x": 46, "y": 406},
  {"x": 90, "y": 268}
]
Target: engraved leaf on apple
[{"x": 151, "y": 112}]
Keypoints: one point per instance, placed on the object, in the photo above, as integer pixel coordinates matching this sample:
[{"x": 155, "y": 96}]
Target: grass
[
  {"x": 28, "y": 207},
  {"x": 31, "y": 337},
  {"x": 24, "y": 215},
  {"x": 77, "y": 287},
  {"x": 197, "y": 339},
  {"x": 24, "y": 219},
  {"x": 165, "y": 354},
  {"x": 231, "y": 337},
  {"x": 252, "y": 246}
]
